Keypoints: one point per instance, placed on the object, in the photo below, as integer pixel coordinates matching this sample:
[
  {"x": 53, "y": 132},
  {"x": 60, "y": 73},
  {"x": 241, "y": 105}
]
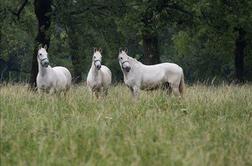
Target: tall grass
[{"x": 210, "y": 126}]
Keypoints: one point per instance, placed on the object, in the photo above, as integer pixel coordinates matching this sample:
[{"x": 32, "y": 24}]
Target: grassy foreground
[{"x": 210, "y": 126}]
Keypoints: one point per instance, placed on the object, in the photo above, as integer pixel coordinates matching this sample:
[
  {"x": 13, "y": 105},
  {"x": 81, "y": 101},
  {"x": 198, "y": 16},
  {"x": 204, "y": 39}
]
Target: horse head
[
  {"x": 97, "y": 58},
  {"x": 42, "y": 56},
  {"x": 124, "y": 60}
]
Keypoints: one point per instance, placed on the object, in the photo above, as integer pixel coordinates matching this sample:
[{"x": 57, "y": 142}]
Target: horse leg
[
  {"x": 105, "y": 91},
  {"x": 51, "y": 91},
  {"x": 169, "y": 91},
  {"x": 39, "y": 91},
  {"x": 166, "y": 87},
  {"x": 135, "y": 91},
  {"x": 92, "y": 94},
  {"x": 97, "y": 93},
  {"x": 175, "y": 91},
  {"x": 131, "y": 90},
  {"x": 91, "y": 91},
  {"x": 66, "y": 90}
]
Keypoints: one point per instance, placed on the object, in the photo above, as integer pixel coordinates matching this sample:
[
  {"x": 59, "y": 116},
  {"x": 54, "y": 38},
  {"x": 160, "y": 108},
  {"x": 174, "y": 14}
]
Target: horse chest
[
  {"x": 44, "y": 84},
  {"x": 95, "y": 83},
  {"x": 130, "y": 82},
  {"x": 46, "y": 80}
]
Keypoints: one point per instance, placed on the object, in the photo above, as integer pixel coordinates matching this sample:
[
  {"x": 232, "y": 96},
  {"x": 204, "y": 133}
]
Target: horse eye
[
  {"x": 40, "y": 54},
  {"x": 121, "y": 58}
]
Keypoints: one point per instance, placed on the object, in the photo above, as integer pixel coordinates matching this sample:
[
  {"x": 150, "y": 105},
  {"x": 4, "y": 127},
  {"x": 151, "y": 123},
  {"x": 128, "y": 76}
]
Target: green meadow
[{"x": 211, "y": 125}]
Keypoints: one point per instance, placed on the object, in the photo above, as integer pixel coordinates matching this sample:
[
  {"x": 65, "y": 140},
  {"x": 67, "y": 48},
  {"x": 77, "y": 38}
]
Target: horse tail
[{"x": 182, "y": 85}]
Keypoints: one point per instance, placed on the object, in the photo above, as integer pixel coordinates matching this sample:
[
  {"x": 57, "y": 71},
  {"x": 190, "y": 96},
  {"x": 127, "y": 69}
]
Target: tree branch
[
  {"x": 99, "y": 7},
  {"x": 19, "y": 9},
  {"x": 179, "y": 8},
  {"x": 91, "y": 7}
]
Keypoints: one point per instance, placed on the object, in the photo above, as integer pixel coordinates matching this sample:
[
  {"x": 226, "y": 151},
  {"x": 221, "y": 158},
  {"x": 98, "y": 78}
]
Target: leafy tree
[
  {"x": 209, "y": 39},
  {"x": 43, "y": 13}
]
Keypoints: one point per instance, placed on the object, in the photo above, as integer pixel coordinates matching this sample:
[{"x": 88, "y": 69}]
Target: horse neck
[
  {"x": 136, "y": 64},
  {"x": 134, "y": 68},
  {"x": 94, "y": 72},
  {"x": 43, "y": 70}
]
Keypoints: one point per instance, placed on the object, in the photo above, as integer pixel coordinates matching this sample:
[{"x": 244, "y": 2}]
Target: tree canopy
[{"x": 209, "y": 39}]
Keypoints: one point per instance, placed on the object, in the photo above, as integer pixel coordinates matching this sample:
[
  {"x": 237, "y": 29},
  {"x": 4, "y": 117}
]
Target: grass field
[{"x": 210, "y": 126}]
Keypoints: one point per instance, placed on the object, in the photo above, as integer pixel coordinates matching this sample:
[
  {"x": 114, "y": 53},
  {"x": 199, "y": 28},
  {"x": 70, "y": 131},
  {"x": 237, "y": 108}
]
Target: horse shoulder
[
  {"x": 47, "y": 80},
  {"x": 59, "y": 76},
  {"x": 89, "y": 76},
  {"x": 106, "y": 71},
  {"x": 39, "y": 80},
  {"x": 133, "y": 79},
  {"x": 94, "y": 80},
  {"x": 90, "y": 80},
  {"x": 106, "y": 75}
]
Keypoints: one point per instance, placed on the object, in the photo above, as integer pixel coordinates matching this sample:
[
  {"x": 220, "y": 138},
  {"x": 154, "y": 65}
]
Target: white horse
[
  {"x": 139, "y": 76},
  {"x": 99, "y": 76},
  {"x": 51, "y": 79}
]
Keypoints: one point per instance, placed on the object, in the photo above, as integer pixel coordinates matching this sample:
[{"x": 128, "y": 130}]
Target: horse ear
[
  {"x": 120, "y": 50},
  {"x": 95, "y": 49},
  {"x": 39, "y": 46},
  {"x": 100, "y": 50},
  {"x": 126, "y": 50},
  {"x": 45, "y": 47}
]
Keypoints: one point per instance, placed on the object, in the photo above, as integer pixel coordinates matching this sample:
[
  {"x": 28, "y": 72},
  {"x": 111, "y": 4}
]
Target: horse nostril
[
  {"x": 98, "y": 67},
  {"x": 46, "y": 64},
  {"x": 127, "y": 68}
]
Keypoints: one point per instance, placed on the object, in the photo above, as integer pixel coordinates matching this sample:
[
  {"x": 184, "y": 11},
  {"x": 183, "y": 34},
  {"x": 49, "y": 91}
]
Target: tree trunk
[
  {"x": 73, "y": 44},
  {"x": 240, "y": 45},
  {"x": 151, "y": 50},
  {"x": 43, "y": 12}
]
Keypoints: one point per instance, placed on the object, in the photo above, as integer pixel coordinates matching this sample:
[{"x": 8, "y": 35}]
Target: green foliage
[
  {"x": 182, "y": 43},
  {"x": 16, "y": 44},
  {"x": 210, "y": 126},
  {"x": 198, "y": 35}
]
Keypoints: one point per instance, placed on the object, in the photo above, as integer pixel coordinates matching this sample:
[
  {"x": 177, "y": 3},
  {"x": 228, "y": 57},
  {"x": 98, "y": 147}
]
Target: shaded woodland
[{"x": 211, "y": 39}]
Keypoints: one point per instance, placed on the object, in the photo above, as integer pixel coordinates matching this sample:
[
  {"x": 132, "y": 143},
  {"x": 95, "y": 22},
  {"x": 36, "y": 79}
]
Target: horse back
[
  {"x": 106, "y": 74},
  {"x": 173, "y": 72},
  {"x": 172, "y": 68},
  {"x": 153, "y": 75},
  {"x": 63, "y": 72}
]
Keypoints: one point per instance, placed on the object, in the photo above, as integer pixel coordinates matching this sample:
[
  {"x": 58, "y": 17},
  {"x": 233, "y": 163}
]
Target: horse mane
[{"x": 134, "y": 60}]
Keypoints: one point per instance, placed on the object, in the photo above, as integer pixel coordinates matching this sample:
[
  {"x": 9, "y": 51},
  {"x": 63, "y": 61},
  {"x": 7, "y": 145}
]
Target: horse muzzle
[
  {"x": 98, "y": 67},
  {"x": 127, "y": 68},
  {"x": 97, "y": 64},
  {"x": 45, "y": 63}
]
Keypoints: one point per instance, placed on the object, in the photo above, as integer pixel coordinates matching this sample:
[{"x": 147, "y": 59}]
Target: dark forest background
[{"x": 210, "y": 39}]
